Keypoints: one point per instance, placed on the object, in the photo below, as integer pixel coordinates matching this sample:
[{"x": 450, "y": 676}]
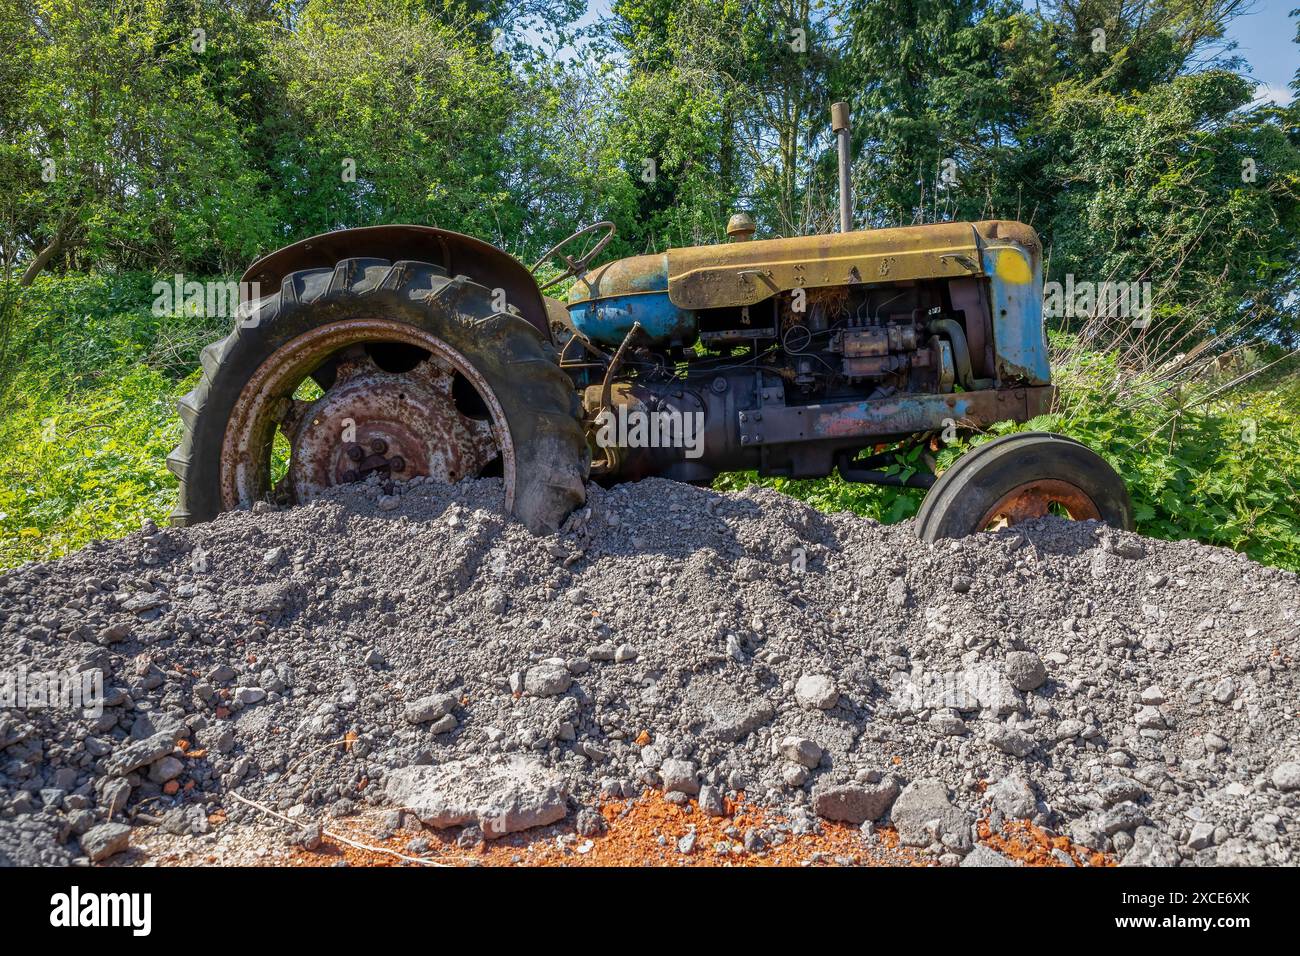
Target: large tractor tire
[
  {"x": 420, "y": 374},
  {"x": 1021, "y": 477}
]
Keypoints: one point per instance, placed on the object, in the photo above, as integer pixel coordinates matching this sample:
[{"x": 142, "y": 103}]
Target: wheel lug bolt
[
  {"x": 356, "y": 452},
  {"x": 397, "y": 463},
  {"x": 351, "y": 475},
  {"x": 379, "y": 446}
]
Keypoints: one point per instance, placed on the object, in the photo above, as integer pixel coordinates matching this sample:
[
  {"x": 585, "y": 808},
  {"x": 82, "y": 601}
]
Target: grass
[
  {"x": 87, "y": 412},
  {"x": 87, "y": 419}
]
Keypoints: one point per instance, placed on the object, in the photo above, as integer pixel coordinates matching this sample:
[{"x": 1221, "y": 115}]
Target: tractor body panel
[
  {"x": 605, "y": 302},
  {"x": 1019, "y": 336},
  {"x": 745, "y": 273}
]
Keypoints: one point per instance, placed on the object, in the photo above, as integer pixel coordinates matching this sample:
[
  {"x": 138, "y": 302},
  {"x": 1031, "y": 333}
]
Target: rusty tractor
[{"x": 403, "y": 351}]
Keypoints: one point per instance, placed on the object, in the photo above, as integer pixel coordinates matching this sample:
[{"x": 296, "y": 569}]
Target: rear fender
[{"x": 458, "y": 254}]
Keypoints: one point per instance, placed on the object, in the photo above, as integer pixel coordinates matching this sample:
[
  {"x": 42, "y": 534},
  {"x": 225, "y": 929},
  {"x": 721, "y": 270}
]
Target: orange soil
[
  {"x": 645, "y": 831},
  {"x": 1021, "y": 840}
]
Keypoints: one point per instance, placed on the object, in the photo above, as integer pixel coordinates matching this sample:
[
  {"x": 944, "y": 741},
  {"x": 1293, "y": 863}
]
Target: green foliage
[
  {"x": 195, "y": 137},
  {"x": 940, "y": 81},
  {"x": 1225, "y": 472},
  {"x": 85, "y": 465},
  {"x": 1128, "y": 152},
  {"x": 118, "y": 149},
  {"x": 391, "y": 94},
  {"x": 78, "y": 332},
  {"x": 1159, "y": 195},
  {"x": 129, "y": 145},
  {"x": 89, "y": 418},
  {"x": 729, "y": 101}
]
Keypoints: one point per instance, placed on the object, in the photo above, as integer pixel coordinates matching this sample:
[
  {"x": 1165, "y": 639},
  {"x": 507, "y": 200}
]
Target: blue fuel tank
[{"x": 605, "y": 302}]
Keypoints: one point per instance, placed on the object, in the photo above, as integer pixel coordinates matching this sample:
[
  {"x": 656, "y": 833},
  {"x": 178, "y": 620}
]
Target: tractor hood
[{"x": 737, "y": 274}]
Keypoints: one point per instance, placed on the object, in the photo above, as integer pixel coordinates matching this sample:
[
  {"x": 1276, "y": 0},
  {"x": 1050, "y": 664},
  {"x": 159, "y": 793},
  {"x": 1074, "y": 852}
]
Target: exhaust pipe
[{"x": 840, "y": 124}]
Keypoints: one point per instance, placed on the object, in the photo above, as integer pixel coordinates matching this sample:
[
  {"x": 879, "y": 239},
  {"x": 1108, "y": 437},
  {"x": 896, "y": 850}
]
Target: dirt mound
[{"x": 370, "y": 652}]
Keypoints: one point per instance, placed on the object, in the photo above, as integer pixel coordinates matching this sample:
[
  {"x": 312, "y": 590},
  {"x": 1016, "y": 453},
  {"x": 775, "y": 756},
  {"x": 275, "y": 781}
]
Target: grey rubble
[{"x": 1136, "y": 695}]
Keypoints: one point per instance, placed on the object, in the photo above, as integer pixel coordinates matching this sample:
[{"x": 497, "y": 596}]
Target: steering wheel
[{"x": 604, "y": 231}]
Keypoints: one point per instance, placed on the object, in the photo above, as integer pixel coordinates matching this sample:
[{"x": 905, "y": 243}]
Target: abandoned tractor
[{"x": 404, "y": 351}]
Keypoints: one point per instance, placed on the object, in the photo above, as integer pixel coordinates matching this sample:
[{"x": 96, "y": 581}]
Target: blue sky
[{"x": 1265, "y": 37}]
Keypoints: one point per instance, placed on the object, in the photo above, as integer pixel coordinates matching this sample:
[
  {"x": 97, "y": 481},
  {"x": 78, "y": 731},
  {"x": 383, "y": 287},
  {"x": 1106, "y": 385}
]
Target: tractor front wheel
[{"x": 1019, "y": 478}]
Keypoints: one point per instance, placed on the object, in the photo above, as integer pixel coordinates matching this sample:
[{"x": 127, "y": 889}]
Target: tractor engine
[
  {"x": 793, "y": 355},
  {"x": 844, "y": 342}
]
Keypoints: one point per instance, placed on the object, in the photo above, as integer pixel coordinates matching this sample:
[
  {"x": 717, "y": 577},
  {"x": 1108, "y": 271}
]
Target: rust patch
[
  {"x": 399, "y": 425},
  {"x": 266, "y": 403},
  {"x": 641, "y": 832},
  {"x": 644, "y": 832},
  {"x": 739, "y": 274},
  {"x": 1034, "y": 499},
  {"x": 1020, "y": 840}
]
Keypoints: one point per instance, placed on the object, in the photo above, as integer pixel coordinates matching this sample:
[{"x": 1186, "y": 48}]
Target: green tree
[
  {"x": 1123, "y": 133},
  {"x": 724, "y": 103},
  {"x": 118, "y": 150}
]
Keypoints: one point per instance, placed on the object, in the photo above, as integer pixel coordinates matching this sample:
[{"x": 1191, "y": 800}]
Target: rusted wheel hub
[
  {"x": 1037, "y": 499},
  {"x": 396, "y": 424},
  {"x": 430, "y": 414}
]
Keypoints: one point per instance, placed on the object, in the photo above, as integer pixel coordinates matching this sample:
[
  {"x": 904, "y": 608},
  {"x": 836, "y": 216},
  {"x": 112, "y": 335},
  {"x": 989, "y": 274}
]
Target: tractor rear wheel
[
  {"x": 378, "y": 367},
  {"x": 1019, "y": 478}
]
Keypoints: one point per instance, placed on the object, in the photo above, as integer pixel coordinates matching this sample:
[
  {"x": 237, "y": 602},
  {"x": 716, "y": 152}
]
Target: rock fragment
[
  {"x": 681, "y": 776},
  {"x": 105, "y": 840},
  {"x": 924, "y": 814},
  {"x": 1286, "y": 776},
  {"x": 802, "y": 751},
  {"x": 855, "y": 802},
  {"x": 1025, "y": 670},
  {"x": 426, "y": 709},
  {"x": 499, "y": 797},
  {"x": 547, "y": 680},
  {"x": 816, "y": 691}
]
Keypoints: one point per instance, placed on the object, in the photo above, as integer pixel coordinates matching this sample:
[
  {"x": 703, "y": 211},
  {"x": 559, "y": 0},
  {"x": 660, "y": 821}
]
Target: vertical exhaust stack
[{"x": 840, "y": 124}]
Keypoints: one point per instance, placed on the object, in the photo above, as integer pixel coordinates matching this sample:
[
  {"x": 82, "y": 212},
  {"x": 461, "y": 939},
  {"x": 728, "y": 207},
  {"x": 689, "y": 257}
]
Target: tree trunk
[{"x": 42, "y": 259}]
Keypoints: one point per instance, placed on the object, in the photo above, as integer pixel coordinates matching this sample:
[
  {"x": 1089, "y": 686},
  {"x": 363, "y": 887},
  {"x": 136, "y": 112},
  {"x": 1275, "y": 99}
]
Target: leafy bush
[
  {"x": 78, "y": 466},
  {"x": 87, "y": 417}
]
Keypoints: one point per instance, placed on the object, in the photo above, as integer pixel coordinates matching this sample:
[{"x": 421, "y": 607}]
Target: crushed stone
[{"x": 372, "y": 652}]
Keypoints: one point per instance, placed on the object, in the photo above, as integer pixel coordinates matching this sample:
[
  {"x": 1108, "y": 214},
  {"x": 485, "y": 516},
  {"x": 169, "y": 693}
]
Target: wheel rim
[
  {"x": 1035, "y": 499},
  {"x": 435, "y": 417}
]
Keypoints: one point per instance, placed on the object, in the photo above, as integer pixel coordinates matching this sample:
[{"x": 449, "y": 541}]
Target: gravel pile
[{"x": 420, "y": 656}]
